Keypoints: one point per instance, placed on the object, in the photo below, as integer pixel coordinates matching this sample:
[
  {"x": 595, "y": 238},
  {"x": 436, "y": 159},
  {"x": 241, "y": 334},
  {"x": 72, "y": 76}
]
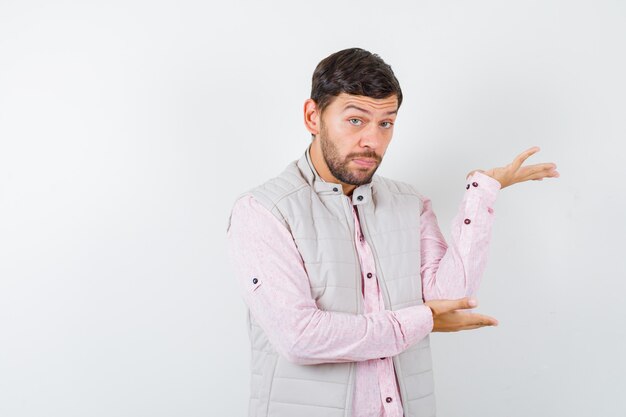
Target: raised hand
[
  {"x": 448, "y": 315},
  {"x": 515, "y": 172}
]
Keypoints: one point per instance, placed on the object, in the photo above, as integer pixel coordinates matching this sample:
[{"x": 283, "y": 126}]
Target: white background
[{"x": 128, "y": 128}]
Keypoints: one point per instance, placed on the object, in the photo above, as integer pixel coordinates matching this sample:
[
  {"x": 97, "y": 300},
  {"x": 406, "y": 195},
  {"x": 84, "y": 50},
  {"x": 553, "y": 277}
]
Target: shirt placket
[{"x": 373, "y": 302}]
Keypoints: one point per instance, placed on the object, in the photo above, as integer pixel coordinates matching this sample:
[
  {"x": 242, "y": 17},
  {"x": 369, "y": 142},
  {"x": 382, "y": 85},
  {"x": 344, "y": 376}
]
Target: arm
[
  {"x": 280, "y": 299},
  {"x": 454, "y": 271}
]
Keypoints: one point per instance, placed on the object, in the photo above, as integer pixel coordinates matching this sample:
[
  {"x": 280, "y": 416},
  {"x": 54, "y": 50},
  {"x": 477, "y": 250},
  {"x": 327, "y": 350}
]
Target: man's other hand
[
  {"x": 449, "y": 317},
  {"x": 515, "y": 172}
]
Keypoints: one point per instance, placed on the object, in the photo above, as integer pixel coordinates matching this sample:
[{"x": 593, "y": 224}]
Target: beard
[{"x": 338, "y": 165}]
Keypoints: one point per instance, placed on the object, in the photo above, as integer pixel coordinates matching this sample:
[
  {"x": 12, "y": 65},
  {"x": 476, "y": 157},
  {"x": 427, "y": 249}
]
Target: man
[{"x": 346, "y": 273}]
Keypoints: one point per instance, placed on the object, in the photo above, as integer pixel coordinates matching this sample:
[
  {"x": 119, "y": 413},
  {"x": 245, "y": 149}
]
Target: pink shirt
[{"x": 280, "y": 297}]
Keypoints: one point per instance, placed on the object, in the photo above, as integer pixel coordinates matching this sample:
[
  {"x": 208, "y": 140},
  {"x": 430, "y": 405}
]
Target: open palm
[{"x": 515, "y": 172}]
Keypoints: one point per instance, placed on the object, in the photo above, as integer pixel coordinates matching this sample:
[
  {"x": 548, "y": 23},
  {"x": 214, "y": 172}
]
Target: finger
[
  {"x": 538, "y": 167},
  {"x": 547, "y": 172},
  {"x": 474, "y": 327},
  {"x": 480, "y": 320},
  {"x": 530, "y": 170},
  {"x": 461, "y": 304},
  {"x": 533, "y": 172},
  {"x": 472, "y": 321},
  {"x": 541, "y": 175},
  {"x": 447, "y": 306},
  {"x": 519, "y": 159}
]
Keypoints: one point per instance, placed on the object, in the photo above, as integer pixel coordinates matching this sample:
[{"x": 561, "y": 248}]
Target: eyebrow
[{"x": 352, "y": 106}]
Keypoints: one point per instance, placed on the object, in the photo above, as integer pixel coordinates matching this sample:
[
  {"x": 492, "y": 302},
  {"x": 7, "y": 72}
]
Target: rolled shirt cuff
[
  {"x": 489, "y": 187},
  {"x": 416, "y": 323}
]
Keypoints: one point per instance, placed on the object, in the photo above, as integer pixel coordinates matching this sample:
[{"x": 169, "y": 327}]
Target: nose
[{"x": 372, "y": 137}]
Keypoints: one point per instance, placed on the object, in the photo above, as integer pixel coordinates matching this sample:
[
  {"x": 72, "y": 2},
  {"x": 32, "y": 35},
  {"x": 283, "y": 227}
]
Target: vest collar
[{"x": 360, "y": 195}]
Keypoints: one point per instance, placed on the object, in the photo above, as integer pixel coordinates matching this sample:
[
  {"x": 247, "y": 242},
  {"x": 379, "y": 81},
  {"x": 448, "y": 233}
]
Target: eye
[
  {"x": 386, "y": 125},
  {"x": 355, "y": 122}
]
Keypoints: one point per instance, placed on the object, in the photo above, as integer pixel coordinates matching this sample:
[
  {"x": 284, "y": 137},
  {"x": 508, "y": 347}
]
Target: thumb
[{"x": 446, "y": 306}]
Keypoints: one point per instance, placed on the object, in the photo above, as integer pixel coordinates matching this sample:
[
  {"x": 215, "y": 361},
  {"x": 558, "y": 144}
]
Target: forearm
[
  {"x": 455, "y": 271},
  {"x": 311, "y": 336},
  {"x": 275, "y": 287}
]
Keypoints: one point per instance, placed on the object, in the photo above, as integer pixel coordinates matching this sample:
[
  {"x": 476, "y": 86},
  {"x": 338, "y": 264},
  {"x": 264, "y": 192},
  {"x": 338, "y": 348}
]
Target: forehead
[{"x": 375, "y": 105}]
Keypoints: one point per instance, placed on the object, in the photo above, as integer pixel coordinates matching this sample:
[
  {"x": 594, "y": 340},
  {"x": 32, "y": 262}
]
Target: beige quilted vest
[{"x": 321, "y": 222}]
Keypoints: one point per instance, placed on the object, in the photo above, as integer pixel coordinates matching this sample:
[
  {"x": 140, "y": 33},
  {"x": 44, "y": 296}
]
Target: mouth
[{"x": 365, "y": 162}]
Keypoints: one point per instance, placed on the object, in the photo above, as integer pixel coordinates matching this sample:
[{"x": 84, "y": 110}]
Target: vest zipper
[
  {"x": 350, "y": 218},
  {"x": 347, "y": 209}
]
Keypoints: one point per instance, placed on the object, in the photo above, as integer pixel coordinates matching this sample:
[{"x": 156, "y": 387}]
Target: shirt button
[
  {"x": 388, "y": 399},
  {"x": 467, "y": 221},
  {"x": 335, "y": 189},
  {"x": 360, "y": 198},
  {"x": 382, "y": 359},
  {"x": 475, "y": 184},
  {"x": 254, "y": 280},
  {"x": 369, "y": 274},
  {"x": 467, "y": 187}
]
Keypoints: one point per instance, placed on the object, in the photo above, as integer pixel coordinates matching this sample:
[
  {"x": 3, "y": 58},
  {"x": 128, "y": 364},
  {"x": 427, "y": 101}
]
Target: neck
[{"x": 317, "y": 158}]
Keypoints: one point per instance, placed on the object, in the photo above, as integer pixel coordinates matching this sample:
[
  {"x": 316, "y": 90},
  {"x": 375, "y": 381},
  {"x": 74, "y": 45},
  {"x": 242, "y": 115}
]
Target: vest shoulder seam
[
  {"x": 274, "y": 197},
  {"x": 398, "y": 187}
]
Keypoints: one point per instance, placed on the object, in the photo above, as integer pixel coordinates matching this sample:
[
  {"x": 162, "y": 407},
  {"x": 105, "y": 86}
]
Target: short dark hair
[{"x": 353, "y": 71}]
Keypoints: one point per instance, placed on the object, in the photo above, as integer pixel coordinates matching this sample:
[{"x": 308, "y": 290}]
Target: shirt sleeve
[
  {"x": 450, "y": 272},
  {"x": 275, "y": 287}
]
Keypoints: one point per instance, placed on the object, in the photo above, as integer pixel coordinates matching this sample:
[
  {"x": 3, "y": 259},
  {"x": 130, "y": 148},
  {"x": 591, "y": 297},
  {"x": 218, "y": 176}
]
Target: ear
[{"x": 311, "y": 116}]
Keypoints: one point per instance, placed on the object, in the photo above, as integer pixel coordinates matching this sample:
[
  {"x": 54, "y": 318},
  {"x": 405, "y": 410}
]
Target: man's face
[{"x": 354, "y": 134}]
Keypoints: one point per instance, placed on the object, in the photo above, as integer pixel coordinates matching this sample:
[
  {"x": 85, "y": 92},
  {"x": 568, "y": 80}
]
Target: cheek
[
  {"x": 341, "y": 129},
  {"x": 386, "y": 141},
  {"x": 344, "y": 138},
  {"x": 350, "y": 145}
]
